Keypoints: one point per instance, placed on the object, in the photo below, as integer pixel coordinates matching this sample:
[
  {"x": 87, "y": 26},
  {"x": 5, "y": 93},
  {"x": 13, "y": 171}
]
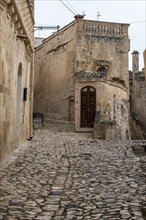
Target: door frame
[
  {"x": 90, "y": 106},
  {"x": 79, "y": 85}
]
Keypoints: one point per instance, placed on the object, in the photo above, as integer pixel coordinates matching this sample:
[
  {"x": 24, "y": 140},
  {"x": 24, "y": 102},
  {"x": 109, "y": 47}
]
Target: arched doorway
[
  {"x": 71, "y": 110},
  {"x": 88, "y": 106}
]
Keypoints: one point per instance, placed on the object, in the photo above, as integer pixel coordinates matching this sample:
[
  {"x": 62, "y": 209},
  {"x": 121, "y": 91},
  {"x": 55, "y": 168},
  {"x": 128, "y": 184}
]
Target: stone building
[
  {"x": 144, "y": 57},
  {"x": 137, "y": 99},
  {"x": 81, "y": 76},
  {"x": 16, "y": 73}
]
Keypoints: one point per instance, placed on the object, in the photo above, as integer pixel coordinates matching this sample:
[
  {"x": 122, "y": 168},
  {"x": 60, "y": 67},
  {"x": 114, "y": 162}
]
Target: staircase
[{"x": 138, "y": 123}]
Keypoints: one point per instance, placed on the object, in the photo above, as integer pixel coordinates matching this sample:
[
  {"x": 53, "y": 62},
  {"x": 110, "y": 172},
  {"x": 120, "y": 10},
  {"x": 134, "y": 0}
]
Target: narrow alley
[{"x": 63, "y": 175}]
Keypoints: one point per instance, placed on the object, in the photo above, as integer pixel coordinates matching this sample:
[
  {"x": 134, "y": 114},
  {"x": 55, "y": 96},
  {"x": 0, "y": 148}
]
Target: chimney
[
  {"x": 135, "y": 62},
  {"x": 79, "y": 22},
  {"x": 79, "y": 17}
]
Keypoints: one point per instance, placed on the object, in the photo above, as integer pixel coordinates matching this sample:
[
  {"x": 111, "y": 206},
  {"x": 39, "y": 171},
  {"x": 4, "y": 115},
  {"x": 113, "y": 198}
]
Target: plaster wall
[
  {"x": 113, "y": 106},
  {"x": 16, "y": 73},
  {"x": 54, "y": 75}
]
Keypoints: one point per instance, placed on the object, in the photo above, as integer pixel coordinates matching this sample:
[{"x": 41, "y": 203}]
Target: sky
[{"x": 133, "y": 12}]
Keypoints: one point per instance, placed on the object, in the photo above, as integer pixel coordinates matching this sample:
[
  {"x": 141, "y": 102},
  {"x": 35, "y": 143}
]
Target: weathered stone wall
[
  {"x": 16, "y": 74},
  {"x": 138, "y": 103},
  {"x": 64, "y": 60},
  {"x": 139, "y": 97},
  {"x": 103, "y": 44},
  {"x": 111, "y": 101},
  {"x": 144, "y": 57},
  {"x": 135, "y": 130},
  {"x": 54, "y": 68},
  {"x": 137, "y": 100}
]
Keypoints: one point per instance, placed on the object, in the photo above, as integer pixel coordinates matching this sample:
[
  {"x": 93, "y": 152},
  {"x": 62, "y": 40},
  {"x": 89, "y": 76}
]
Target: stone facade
[
  {"x": 16, "y": 73},
  {"x": 85, "y": 59},
  {"x": 137, "y": 99},
  {"x": 144, "y": 57}
]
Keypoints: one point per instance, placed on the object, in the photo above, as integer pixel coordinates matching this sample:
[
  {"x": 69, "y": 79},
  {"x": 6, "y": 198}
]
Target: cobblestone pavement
[{"x": 63, "y": 175}]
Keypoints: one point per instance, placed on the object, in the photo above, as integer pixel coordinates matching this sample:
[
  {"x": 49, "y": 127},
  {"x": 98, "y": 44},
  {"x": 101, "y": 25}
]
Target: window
[{"x": 102, "y": 71}]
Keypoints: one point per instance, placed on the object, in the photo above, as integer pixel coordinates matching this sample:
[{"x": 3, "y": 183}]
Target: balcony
[{"x": 97, "y": 28}]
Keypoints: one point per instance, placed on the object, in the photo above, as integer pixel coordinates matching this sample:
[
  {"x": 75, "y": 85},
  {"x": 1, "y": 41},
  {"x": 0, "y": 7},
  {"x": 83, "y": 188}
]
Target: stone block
[{"x": 99, "y": 131}]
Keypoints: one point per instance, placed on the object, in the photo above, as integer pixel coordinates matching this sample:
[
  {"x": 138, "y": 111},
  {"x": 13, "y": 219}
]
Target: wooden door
[{"x": 88, "y": 106}]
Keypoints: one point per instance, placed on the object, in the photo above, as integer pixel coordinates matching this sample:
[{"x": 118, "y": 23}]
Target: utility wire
[
  {"x": 62, "y": 25},
  {"x": 72, "y": 7},
  {"x": 134, "y": 22},
  {"x": 67, "y": 7}
]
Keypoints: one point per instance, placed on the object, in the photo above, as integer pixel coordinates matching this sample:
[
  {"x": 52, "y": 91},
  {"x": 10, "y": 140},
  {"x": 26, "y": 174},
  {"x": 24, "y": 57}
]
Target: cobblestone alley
[{"x": 63, "y": 175}]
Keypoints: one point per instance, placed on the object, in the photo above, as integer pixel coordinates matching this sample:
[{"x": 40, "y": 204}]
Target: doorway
[
  {"x": 88, "y": 106},
  {"x": 71, "y": 110}
]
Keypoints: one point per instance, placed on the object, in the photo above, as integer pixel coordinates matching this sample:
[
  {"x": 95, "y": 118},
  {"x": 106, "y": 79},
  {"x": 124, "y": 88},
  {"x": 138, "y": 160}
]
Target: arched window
[
  {"x": 19, "y": 94},
  {"x": 20, "y": 69},
  {"x": 102, "y": 71}
]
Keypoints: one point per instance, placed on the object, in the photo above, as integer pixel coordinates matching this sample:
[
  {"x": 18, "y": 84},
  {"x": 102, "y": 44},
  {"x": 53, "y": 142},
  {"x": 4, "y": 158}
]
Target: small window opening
[{"x": 102, "y": 71}]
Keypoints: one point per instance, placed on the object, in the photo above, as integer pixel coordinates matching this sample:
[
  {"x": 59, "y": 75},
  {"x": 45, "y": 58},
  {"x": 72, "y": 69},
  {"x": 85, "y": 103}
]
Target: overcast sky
[{"x": 133, "y": 12}]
